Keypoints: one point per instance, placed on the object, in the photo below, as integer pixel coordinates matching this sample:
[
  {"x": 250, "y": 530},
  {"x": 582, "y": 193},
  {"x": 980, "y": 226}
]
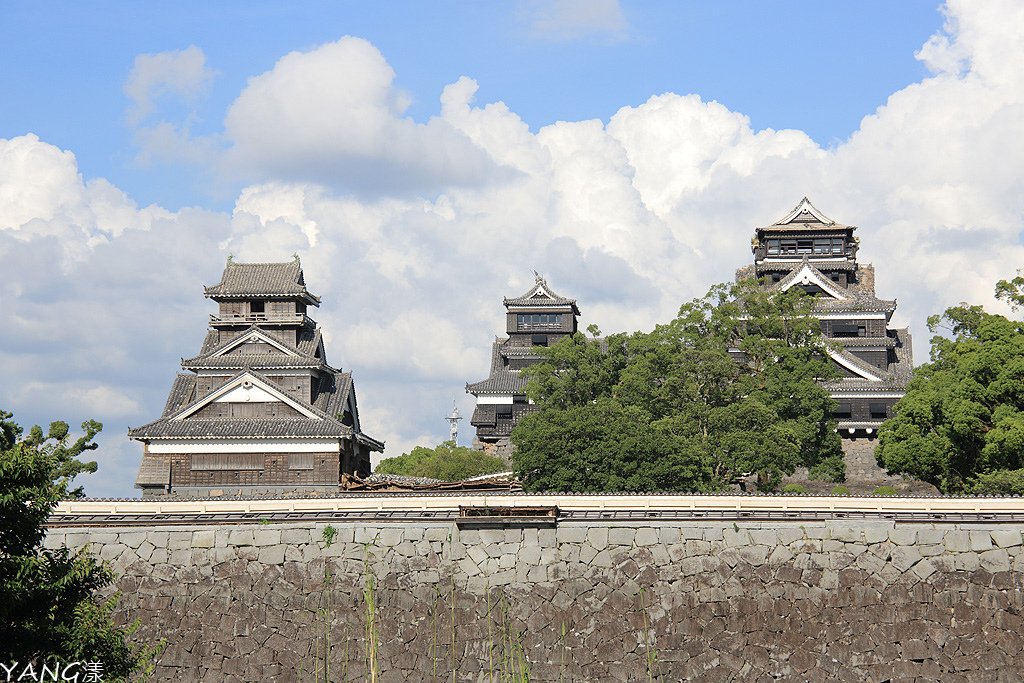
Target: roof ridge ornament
[{"x": 805, "y": 206}]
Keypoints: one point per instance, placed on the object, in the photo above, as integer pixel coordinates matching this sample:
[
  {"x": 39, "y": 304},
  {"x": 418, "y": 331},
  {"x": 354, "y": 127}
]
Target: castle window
[
  {"x": 539, "y": 321},
  {"x": 844, "y": 410},
  {"x": 503, "y": 410},
  {"x": 878, "y": 410},
  {"x": 257, "y": 306},
  {"x": 519, "y": 398},
  {"x": 773, "y": 247},
  {"x": 845, "y": 330},
  {"x": 540, "y": 340}
]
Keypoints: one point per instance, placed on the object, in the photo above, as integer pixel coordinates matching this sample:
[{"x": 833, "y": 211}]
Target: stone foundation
[{"x": 851, "y": 601}]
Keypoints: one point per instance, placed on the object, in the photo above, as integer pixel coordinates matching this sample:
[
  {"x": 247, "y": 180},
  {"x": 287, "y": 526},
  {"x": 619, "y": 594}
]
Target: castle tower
[
  {"x": 260, "y": 410},
  {"x": 539, "y": 317},
  {"x": 807, "y": 249}
]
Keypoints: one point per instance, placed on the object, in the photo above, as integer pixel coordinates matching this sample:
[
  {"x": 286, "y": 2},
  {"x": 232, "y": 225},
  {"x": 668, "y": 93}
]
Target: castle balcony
[{"x": 271, "y": 318}]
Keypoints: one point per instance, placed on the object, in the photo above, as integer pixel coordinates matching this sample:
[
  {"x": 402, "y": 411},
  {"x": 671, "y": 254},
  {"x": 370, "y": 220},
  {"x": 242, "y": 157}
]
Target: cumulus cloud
[
  {"x": 333, "y": 115},
  {"x": 631, "y": 216},
  {"x": 562, "y": 20},
  {"x": 176, "y": 73}
]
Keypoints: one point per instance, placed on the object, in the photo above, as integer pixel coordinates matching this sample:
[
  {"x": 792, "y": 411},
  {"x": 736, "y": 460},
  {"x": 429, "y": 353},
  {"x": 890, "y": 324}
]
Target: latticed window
[{"x": 539, "y": 321}]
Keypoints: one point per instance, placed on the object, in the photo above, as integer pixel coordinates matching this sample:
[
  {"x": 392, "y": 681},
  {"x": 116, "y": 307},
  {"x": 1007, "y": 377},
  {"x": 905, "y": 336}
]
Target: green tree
[
  {"x": 48, "y": 608},
  {"x": 963, "y": 414},
  {"x": 730, "y": 387},
  {"x": 447, "y": 462}
]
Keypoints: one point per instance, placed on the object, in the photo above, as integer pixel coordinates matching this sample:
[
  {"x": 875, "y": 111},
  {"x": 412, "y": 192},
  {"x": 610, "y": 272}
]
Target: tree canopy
[
  {"x": 729, "y": 388},
  {"x": 961, "y": 424},
  {"x": 47, "y": 606},
  {"x": 447, "y": 462}
]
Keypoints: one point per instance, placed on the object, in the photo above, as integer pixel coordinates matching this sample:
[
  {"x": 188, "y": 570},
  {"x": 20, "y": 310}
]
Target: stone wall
[{"x": 864, "y": 601}]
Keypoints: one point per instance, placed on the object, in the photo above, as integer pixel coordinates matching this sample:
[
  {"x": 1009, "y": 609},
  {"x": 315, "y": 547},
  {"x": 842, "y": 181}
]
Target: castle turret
[
  {"x": 260, "y": 410},
  {"x": 807, "y": 249},
  {"x": 540, "y": 317}
]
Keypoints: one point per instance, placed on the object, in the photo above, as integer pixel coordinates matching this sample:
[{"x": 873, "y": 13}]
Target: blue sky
[
  {"x": 817, "y": 67},
  {"x": 424, "y": 160}
]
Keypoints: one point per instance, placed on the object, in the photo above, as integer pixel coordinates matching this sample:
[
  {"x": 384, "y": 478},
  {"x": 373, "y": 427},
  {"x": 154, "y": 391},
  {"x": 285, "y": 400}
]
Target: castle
[
  {"x": 806, "y": 249},
  {"x": 260, "y": 410}
]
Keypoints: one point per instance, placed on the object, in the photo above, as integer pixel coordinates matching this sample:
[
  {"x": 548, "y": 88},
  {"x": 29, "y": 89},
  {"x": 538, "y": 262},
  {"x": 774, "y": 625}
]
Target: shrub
[
  {"x": 829, "y": 469},
  {"x": 840, "y": 490},
  {"x": 794, "y": 489},
  {"x": 1000, "y": 483},
  {"x": 885, "y": 491}
]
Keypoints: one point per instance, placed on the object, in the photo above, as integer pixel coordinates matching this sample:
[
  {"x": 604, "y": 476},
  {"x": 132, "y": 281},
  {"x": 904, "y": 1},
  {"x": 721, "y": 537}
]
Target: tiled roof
[
  {"x": 860, "y": 342},
  {"x": 219, "y": 427},
  {"x": 182, "y": 393},
  {"x": 155, "y": 470},
  {"x": 501, "y": 382},
  {"x": 897, "y": 377},
  {"x": 805, "y": 216},
  {"x": 770, "y": 265},
  {"x": 261, "y": 279},
  {"x": 309, "y": 341},
  {"x": 543, "y": 296},
  {"x": 332, "y": 392},
  {"x": 230, "y": 427},
  {"x": 253, "y": 360}
]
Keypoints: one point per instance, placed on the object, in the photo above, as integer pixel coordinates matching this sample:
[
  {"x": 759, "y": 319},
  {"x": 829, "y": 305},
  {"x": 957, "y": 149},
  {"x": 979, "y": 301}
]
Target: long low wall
[{"x": 586, "y": 600}]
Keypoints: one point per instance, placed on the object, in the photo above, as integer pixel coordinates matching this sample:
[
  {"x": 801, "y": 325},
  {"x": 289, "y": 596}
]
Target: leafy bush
[
  {"x": 794, "y": 489},
  {"x": 446, "y": 462},
  {"x": 885, "y": 491},
  {"x": 840, "y": 490},
  {"x": 829, "y": 469},
  {"x": 1000, "y": 483}
]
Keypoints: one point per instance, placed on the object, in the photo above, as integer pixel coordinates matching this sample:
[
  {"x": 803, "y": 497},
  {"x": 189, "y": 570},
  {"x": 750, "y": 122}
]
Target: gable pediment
[
  {"x": 247, "y": 388},
  {"x": 252, "y": 342},
  {"x": 807, "y": 274}
]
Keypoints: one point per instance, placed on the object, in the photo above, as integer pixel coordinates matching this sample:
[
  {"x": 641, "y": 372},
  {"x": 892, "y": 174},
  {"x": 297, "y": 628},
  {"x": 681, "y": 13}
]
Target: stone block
[
  {"x": 546, "y": 537},
  {"x": 493, "y": 550},
  {"x": 713, "y": 533},
  {"x": 178, "y": 540},
  {"x": 272, "y": 555},
  {"x": 768, "y": 537},
  {"x": 262, "y": 538},
  {"x": 846, "y": 533},
  {"x": 413, "y": 533},
  {"x": 903, "y": 536},
  {"x": 924, "y": 569},
  {"x": 995, "y": 560},
  {"x": 603, "y": 559},
  {"x": 1006, "y": 538},
  {"x": 754, "y": 554},
  {"x": 437, "y": 533},
  {"x": 669, "y": 534},
  {"x": 240, "y": 537},
  {"x": 111, "y": 551},
  {"x": 980, "y": 540},
  {"x": 571, "y": 534},
  {"x": 145, "y": 551},
  {"x": 477, "y": 554},
  {"x": 735, "y": 538},
  {"x": 780, "y": 555},
  {"x": 789, "y": 534},
  {"x": 365, "y": 534},
  {"x": 491, "y": 536},
  {"x": 468, "y": 567},
  {"x": 967, "y": 562},
  {"x": 957, "y": 541},
  {"x": 132, "y": 540},
  {"x": 203, "y": 538},
  {"x": 930, "y": 535},
  {"x": 621, "y": 535},
  {"x": 904, "y": 557},
  {"x": 877, "y": 533},
  {"x": 297, "y": 536},
  {"x": 587, "y": 553},
  {"x": 646, "y": 536},
  {"x": 513, "y": 536},
  {"x": 388, "y": 537}
]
